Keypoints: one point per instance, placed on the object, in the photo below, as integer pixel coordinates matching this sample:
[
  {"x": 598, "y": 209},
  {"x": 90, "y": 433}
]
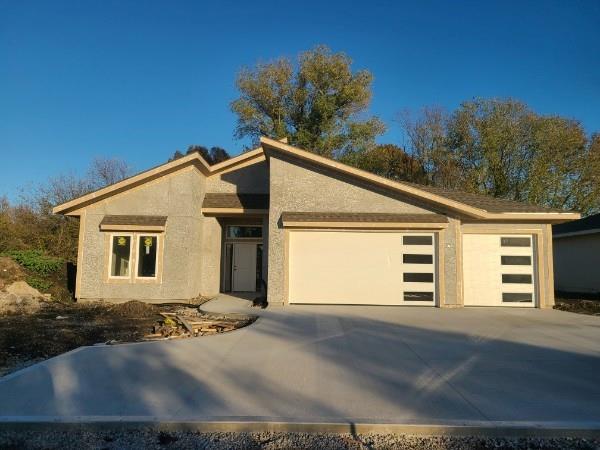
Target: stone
[
  {"x": 22, "y": 289},
  {"x": 14, "y": 304}
]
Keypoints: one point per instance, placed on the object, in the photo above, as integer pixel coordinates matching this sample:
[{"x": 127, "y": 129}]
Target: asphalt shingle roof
[{"x": 243, "y": 201}]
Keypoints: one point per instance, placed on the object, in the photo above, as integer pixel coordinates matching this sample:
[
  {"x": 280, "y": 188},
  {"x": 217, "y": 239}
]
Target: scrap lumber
[{"x": 186, "y": 324}]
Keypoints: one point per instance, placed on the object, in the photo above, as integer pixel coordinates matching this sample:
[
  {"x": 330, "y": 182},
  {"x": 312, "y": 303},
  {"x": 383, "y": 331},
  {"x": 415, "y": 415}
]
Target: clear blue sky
[{"x": 138, "y": 80}]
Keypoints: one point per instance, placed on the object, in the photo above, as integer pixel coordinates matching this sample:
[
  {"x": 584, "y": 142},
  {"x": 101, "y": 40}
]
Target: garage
[
  {"x": 499, "y": 270},
  {"x": 362, "y": 267}
]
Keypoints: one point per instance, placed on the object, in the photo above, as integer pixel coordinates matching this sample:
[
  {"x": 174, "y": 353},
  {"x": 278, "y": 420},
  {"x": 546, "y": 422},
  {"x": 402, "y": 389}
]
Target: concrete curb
[{"x": 588, "y": 430}]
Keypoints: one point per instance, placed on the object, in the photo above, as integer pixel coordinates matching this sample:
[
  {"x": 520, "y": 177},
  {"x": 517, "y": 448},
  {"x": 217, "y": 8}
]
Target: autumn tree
[
  {"x": 30, "y": 224},
  {"x": 389, "y": 161},
  {"x": 502, "y": 148},
  {"x": 318, "y": 103}
]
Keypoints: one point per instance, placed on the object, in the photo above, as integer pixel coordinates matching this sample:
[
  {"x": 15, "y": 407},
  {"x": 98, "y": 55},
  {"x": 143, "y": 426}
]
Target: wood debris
[{"x": 176, "y": 325}]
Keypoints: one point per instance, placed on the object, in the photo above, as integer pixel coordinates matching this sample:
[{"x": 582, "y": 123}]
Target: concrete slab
[{"x": 334, "y": 364}]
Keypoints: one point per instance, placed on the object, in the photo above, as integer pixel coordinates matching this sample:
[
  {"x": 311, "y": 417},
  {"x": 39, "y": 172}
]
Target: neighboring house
[
  {"x": 313, "y": 230},
  {"x": 577, "y": 255}
]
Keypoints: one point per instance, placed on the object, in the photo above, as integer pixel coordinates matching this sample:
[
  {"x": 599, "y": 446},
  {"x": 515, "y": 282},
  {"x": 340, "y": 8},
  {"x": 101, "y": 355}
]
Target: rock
[
  {"x": 12, "y": 303},
  {"x": 22, "y": 289},
  {"x": 20, "y": 298}
]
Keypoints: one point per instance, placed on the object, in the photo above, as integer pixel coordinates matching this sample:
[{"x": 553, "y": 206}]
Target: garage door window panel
[
  {"x": 411, "y": 296},
  {"x": 418, "y": 277},
  {"x": 515, "y": 242},
  {"x": 417, "y": 259},
  {"x": 515, "y": 260},
  {"x": 417, "y": 240},
  {"x": 517, "y": 278},
  {"x": 517, "y": 297}
]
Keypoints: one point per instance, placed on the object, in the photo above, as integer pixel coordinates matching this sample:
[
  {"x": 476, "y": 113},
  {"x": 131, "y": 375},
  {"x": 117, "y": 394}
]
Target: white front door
[{"x": 244, "y": 267}]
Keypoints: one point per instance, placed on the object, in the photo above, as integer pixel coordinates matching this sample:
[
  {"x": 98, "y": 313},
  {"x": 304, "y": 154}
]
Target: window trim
[
  {"x": 138, "y": 236},
  {"x": 110, "y": 255}
]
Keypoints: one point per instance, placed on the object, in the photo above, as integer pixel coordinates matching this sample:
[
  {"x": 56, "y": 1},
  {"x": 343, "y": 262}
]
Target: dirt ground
[
  {"x": 578, "y": 303},
  {"x": 60, "y": 327}
]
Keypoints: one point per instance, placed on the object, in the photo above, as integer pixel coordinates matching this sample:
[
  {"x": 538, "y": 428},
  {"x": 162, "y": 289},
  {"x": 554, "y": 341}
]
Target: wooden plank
[{"x": 185, "y": 324}]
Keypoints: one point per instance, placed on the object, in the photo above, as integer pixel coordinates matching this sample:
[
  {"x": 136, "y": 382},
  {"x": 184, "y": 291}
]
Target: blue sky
[{"x": 138, "y": 80}]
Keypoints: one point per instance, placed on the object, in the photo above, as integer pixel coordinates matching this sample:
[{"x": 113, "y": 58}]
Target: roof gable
[
  {"x": 167, "y": 168},
  {"x": 472, "y": 205}
]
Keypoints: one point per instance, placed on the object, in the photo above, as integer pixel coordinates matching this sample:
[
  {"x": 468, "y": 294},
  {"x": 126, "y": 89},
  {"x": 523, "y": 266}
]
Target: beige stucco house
[
  {"x": 577, "y": 255},
  {"x": 308, "y": 230}
]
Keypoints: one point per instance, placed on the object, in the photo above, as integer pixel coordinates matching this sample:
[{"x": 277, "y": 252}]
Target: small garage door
[
  {"x": 370, "y": 268},
  {"x": 499, "y": 270}
]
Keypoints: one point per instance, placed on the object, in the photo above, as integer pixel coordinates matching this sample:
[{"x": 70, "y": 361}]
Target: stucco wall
[
  {"x": 577, "y": 263},
  {"x": 252, "y": 179},
  {"x": 299, "y": 187},
  {"x": 178, "y": 196}
]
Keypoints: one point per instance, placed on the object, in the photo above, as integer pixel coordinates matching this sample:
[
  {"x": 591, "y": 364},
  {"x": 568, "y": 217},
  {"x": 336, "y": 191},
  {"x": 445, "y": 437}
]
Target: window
[
  {"x": 516, "y": 297},
  {"x": 417, "y": 240},
  {"x": 418, "y": 277},
  {"x": 516, "y": 260},
  {"x": 237, "y": 232},
  {"x": 515, "y": 242},
  {"x": 417, "y": 259},
  {"x": 146, "y": 256},
  {"x": 516, "y": 278},
  {"x": 418, "y": 296},
  {"x": 120, "y": 256}
]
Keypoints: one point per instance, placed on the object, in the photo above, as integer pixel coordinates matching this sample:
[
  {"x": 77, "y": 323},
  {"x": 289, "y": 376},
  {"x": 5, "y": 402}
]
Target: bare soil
[{"x": 59, "y": 327}]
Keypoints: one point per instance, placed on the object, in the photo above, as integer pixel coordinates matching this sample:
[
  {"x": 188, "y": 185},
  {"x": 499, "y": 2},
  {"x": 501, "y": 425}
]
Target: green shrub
[
  {"x": 38, "y": 283},
  {"x": 36, "y": 261}
]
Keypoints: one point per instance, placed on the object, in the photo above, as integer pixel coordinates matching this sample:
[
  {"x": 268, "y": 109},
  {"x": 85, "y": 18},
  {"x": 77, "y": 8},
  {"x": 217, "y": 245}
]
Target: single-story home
[
  {"x": 577, "y": 255},
  {"x": 308, "y": 230}
]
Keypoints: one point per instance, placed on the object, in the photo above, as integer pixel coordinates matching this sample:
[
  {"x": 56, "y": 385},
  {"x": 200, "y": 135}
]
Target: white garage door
[
  {"x": 371, "y": 268},
  {"x": 499, "y": 270}
]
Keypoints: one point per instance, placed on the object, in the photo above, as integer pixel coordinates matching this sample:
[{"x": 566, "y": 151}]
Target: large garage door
[
  {"x": 498, "y": 270},
  {"x": 371, "y": 268}
]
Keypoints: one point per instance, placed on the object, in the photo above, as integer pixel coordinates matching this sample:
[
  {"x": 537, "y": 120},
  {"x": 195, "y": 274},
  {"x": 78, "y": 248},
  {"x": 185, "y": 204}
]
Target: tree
[
  {"x": 105, "y": 171},
  {"x": 389, "y": 161},
  {"x": 31, "y": 224},
  {"x": 502, "y": 148},
  {"x": 213, "y": 156},
  {"x": 317, "y": 106},
  {"x": 428, "y": 143}
]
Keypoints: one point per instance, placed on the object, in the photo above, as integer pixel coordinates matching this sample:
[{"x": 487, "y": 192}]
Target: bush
[
  {"x": 38, "y": 283},
  {"x": 35, "y": 261}
]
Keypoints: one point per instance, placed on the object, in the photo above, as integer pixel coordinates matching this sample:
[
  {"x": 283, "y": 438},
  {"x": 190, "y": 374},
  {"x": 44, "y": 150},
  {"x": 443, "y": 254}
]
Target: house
[
  {"x": 577, "y": 255},
  {"x": 312, "y": 230}
]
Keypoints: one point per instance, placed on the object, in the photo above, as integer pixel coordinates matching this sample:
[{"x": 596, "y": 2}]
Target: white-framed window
[
  {"x": 147, "y": 246},
  {"x": 121, "y": 251}
]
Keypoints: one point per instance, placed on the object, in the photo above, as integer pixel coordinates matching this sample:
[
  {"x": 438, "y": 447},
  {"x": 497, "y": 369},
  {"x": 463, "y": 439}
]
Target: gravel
[{"x": 152, "y": 439}]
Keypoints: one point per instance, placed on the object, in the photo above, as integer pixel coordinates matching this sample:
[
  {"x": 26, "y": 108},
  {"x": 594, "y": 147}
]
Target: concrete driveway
[{"x": 406, "y": 365}]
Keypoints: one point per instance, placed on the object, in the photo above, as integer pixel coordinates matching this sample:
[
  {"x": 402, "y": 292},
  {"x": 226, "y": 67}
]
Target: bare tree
[{"x": 106, "y": 171}]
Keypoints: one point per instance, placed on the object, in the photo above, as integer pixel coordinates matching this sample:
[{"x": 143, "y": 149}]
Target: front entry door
[{"x": 244, "y": 267}]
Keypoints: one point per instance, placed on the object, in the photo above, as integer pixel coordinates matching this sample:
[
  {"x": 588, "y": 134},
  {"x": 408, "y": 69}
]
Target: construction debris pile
[{"x": 183, "y": 324}]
